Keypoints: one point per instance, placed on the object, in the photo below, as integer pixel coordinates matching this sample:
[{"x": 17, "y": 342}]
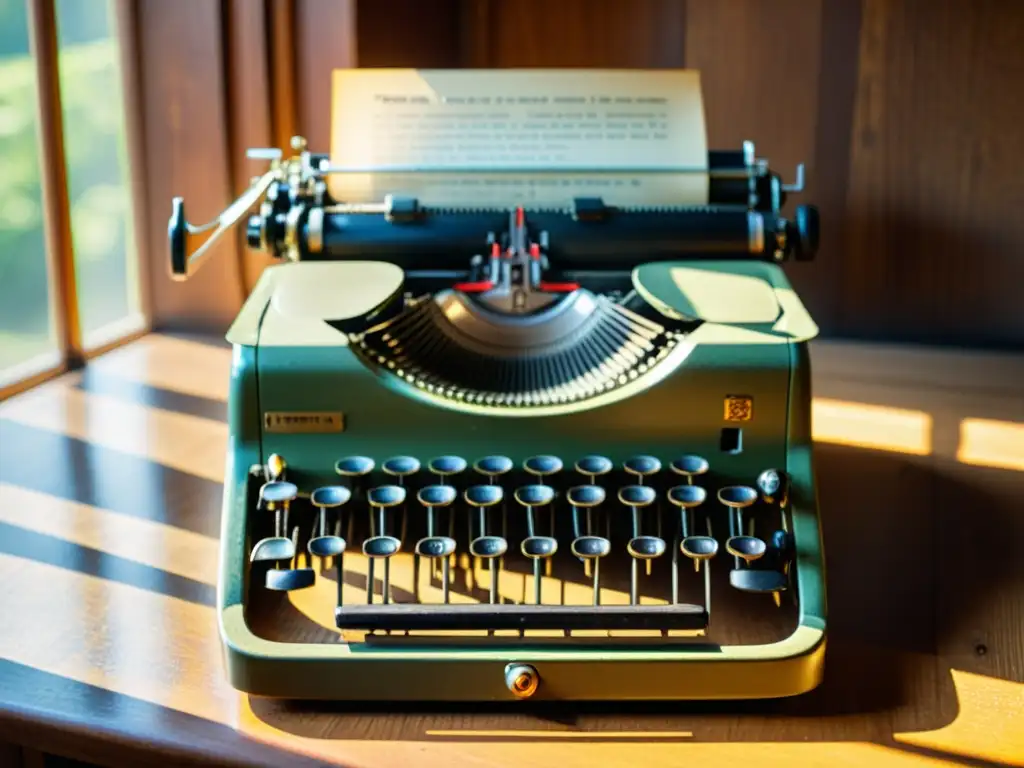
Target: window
[
  {"x": 69, "y": 280},
  {"x": 28, "y": 340}
]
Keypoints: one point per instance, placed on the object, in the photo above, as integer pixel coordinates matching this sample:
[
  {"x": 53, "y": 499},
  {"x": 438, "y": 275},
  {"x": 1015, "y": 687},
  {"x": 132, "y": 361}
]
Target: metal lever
[
  {"x": 179, "y": 230},
  {"x": 798, "y": 185}
]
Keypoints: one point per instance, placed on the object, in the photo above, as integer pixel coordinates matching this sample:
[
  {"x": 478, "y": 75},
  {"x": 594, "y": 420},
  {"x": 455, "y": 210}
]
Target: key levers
[{"x": 527, "y": 453}]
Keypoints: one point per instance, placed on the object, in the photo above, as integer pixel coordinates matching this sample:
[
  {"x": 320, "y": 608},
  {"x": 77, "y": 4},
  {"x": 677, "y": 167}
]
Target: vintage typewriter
[{"x": 548, "y": 453}]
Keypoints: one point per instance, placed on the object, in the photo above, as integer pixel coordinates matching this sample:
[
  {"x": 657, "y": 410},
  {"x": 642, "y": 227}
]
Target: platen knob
[{"x": 806, "y": 232}]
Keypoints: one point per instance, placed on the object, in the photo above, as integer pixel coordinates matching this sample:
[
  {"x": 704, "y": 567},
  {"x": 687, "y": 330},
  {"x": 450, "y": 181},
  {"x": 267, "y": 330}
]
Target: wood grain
[
  {"x": 109, "y": 498},
  {"x": 186, "y": 140},
  {"x": 933, "y": 225}
]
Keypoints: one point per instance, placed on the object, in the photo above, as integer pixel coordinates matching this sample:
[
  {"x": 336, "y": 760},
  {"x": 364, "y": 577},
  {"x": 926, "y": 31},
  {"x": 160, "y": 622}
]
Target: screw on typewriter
[
  {"x": 535, "y": 547},
  {"x": 586, "y": 546},
  {"x": 484, "y": 546},
  {"x": 323, "y": 545},
  {"x": 433, "y": 546},
  {"x": 381, "y": 546}
]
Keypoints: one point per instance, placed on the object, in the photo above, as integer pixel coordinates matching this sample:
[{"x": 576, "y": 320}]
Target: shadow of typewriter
[{"x": 918, "y": 586}]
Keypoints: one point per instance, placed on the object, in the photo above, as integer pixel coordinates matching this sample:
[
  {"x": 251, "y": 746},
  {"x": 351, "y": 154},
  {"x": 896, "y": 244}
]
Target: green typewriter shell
[{"x": 752, "y": 345}]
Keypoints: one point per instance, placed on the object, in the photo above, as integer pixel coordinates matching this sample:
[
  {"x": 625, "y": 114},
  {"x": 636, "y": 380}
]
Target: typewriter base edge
[{"x": 273, "y": 670}]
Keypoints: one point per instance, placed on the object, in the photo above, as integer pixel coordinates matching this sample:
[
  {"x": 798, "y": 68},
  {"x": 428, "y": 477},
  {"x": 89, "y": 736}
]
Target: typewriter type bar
[{"x": 415, "y": 617}]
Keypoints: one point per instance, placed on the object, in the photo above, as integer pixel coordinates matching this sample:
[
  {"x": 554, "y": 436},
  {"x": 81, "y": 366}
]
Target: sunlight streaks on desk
[
  {"x": 177, "y": 365},
  {"x": 997, "y": 737},
  {"x": 180, "y": 441},
  {"x": 143, "y": 541},
  {"x": 871, "y": 426},
  {"x": 991, "y": 443}
]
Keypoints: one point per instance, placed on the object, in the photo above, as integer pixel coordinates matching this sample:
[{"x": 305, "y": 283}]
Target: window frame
[{"x": 72, "y": 352}]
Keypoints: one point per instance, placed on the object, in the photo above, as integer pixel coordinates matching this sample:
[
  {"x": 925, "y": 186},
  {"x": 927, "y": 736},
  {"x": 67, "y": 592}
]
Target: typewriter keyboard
[{"x": 550, "y": 547}]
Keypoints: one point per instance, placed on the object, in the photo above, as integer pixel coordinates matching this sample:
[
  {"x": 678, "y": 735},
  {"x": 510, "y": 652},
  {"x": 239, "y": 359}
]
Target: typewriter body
[{"x": 519, "y": 453}]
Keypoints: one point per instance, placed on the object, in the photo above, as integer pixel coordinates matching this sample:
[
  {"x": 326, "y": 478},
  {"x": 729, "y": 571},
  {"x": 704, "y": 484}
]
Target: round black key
[
  {"x": 646, "y": 547},
  {"x": 277, "y": 492},
  {"x": 488, "y": 546},
  {"x": 539, "y": 546},
  {"x": 769, "y": 482},
  {"x": 746, "y": 547},
  {"x": 381, "y": 546},
  {"x": 687, "y": 496},
  {"x": 642, "y": 465},
  {"x": 436, "y": 495},
  {"x": 543, "y": 465},
  {"x": 492, "y": 466},
  {"x": 690, "y": 465},
  {"x": 386, "y": 495},
  {"x": 534, "y": 495},
  {"x": 588, "y": 547},
  {"x": 594, "y": 466},
  {"x": 586, "y": 495},
  {"x": 401, "y": 466},
  {"x": 447, "y": 465},
  {"x": 326, "y": 546},
  {"x": 330, "y": 496},
  {"x": 737, "y": 496},
  {"x": 484, "y": 495},
  {"x": 435, "y": 546},
  {"x": 354, "y": 466},
  {"x": 636, "y": 495},
  {"x": 699, "y": 547},
  {"x": 757, "y": 581}
]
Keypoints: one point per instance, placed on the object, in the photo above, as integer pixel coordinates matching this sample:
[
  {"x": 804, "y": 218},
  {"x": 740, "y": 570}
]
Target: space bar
[{"x": 413, "y": 616}]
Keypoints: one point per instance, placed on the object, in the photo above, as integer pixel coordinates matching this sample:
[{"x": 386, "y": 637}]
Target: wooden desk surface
[{"x": 109, "y": 512}]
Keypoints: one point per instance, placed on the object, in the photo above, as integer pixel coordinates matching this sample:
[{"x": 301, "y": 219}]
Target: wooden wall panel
[
  {"x": 249, "y": 109},
  {"x": 186, "y": 150},
  {"x": 583, "y": 33},
  {"x": 324, "y": 41},
  {"x": 935, "y": 230},
  {"x": 760, "y": 65}
]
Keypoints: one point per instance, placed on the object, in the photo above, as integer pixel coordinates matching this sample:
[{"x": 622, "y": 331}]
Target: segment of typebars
[{"x": 481, "y": 497}]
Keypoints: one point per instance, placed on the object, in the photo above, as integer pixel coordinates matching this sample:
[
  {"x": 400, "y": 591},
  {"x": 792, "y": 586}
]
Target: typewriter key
[
  {"x": 589, "y": 548},
  {"x": 636, "y": 497},
  {"x": 530, "y": 496},
  {"x": 701, "y": 548},
  {"x": 430, "y": 497},
  {"x": 690, "y": 467},
  {"x": 325, "y": 498},
  {"x": 401, "y": 467},
  {"x": 687, "y": 498},
  {"x": 383, "y": 497},
  {"x": 642, "y": 466},
  {"x": 774, "y": 487},
  {"x": 594, "y": 466},
  {"x": 736, "y": 498},
  {"x": 276, "y": 497},
  {"x": 434, "y": 548},
  {"x": 538, "y": 548},
  {"x": 747, "y": 548},
  {"x": 543, "y": 466},
  {"x": 493, "y": 467},
  {"x": 489, "y": 548},
  {"x": 646, "y": 548},
  {"x": 290, "y": 578},
  {"x": 584, "y": 497},
  {"x": 357, "y": 468},
  {"x": 384, "y": 548},
  {"x": 447, "y": 466}
]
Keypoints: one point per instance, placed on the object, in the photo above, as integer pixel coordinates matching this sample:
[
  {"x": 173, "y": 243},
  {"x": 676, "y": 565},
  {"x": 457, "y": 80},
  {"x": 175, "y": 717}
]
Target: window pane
[
  {"x": 26, "y": 324},
  {"x": 99, "y": 189}
]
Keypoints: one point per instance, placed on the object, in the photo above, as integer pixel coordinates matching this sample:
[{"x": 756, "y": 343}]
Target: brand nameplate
[{"x": 304, "y": 421}]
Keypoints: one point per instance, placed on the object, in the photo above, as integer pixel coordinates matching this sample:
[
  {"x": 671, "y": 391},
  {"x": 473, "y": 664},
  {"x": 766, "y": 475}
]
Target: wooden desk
[{"x": 109, "y": 507}]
